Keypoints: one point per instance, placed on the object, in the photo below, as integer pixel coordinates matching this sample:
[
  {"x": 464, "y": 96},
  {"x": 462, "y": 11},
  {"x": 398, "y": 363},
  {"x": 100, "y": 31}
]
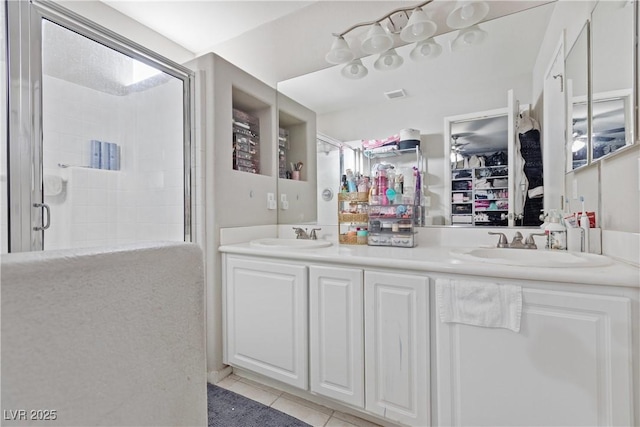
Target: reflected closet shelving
[{"x": 480, "y": 196}]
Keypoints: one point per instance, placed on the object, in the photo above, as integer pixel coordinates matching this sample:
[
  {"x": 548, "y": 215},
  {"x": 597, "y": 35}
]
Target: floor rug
[{"x": 229, "y": 409}]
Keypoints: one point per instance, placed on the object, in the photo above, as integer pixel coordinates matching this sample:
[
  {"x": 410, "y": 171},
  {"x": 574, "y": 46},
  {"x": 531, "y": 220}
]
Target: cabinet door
[
  {"x": 266, "y": 318},
  {"x": 570, "y": 364},
  {"x": 336, "y": 333},
  {"x": 397, "y": 347}
]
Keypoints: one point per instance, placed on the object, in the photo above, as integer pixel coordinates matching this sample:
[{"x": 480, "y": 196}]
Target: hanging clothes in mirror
[{"x": 530, "y": 163}]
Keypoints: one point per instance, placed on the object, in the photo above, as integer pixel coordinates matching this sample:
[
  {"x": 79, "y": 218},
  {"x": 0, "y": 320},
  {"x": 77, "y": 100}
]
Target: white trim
[{"x": 215, "y": 377}]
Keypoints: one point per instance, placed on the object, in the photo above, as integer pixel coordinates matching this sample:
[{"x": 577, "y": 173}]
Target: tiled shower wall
[{"x": 144, "y": 199}]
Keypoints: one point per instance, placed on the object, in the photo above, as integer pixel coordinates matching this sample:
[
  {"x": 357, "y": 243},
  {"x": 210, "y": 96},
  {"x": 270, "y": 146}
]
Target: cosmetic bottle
[
  {"x": 95, "y": 154},
  {"x": 556, "y": 233},
  {"x": 363, "y": 184},
  {"x": 382, "y": 187},
  {"x": 351, "y": 182},
  {"x": 584, "y": 224}
]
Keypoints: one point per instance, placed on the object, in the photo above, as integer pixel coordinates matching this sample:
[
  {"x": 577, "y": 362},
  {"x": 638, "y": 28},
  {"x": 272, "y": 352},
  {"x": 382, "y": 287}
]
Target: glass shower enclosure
[{"x": 107, "y": 158}]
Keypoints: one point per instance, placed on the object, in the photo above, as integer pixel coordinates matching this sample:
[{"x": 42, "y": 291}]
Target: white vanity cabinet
[
  {"x": 397, "y": 346},
  {"x": 336, "y": 333},
  {"x": 265, "y": 318},
  {"x": 570, "y": 364},
  {"x": 373, "y": 336}
]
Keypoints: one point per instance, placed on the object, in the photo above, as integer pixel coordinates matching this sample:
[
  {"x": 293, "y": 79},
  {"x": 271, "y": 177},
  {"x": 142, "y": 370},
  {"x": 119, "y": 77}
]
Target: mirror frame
[
  {"x": 449, "y": 122},
  {"x": 629, "y": 96},
  {"x": 570, "y": 101}
]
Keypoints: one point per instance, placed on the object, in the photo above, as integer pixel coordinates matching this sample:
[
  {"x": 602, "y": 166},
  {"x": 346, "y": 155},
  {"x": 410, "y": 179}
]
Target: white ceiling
[{"x": 199, "y": 25}]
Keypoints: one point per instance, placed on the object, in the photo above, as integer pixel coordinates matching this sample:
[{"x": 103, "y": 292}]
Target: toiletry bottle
[
  {"x": 398, "y": 189},
  {"x": 382, "y": 187},
  {"x": 351, "y": 182},
  {"x": 362, "y": 185},
  {"x": 344, "y": 187},
  {"x": 373, "y": 192},
  {"x": 584, "y": 224},
  {"x": 556, "y": 233}
]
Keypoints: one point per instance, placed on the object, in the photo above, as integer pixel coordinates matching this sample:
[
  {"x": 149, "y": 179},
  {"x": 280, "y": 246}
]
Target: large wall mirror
[
  {"x": 460, "y": 78},
  {"x": 600, "y": 81},
  {"x": 612, "y": 77},
  {"x": 576, "y": 89},
  {"x": 463, "y": 78}
]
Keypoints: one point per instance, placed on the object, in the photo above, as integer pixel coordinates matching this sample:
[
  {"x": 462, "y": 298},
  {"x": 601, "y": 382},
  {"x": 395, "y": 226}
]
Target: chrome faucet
[
  {"x": 517, "y": 243},
  {"x": 530, "y": 243},
  {"x": 313, "y": 235},
  {"x": 302, "y": 234},
  {"x": 502, "y": 243}
]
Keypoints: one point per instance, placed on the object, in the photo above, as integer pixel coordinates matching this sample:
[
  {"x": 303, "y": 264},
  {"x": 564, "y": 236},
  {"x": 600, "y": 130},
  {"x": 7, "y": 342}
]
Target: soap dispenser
[{"x": 556, "y": 233}]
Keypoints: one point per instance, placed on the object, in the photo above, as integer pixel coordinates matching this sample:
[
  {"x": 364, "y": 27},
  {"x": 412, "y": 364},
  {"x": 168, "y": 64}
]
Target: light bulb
[
  {"x": 353, "y": 69},
  {"x": 343, "y": 56},
  {"x": 417, "y": 29},
  {"x": 388, "y": 60},
  {"x": 469, "y": 38},
  {"x": 467, "y": 11},
  {"x": 577, "y": 145},
  {"x": 379, "y": 42},
  {"x": 425, "y": 49}
]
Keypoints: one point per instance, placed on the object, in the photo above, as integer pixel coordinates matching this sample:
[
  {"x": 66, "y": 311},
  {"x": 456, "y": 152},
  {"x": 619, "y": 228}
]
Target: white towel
[{"x": 480, "y": 304}]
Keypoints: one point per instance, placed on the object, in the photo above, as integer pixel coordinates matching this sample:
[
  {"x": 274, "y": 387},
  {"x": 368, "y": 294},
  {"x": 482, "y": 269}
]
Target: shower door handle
[{"x": 47, "y": 211}]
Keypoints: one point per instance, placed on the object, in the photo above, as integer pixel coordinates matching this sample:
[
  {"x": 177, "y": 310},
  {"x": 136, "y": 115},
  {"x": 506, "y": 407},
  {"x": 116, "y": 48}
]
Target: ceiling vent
[{"x": 395, "y": 94}]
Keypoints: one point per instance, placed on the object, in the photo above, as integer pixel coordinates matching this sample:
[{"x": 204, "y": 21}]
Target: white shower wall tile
[{"x": 104, "y": 206}]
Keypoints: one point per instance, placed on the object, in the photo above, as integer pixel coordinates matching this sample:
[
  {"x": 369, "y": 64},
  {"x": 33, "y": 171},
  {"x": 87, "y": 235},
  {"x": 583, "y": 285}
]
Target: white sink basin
[
  {"x": 531, "y": 258},
  {"x": 277, "y": 243}
]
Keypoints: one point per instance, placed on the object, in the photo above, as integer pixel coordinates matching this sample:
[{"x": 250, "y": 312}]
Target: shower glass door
[
  {"x": 111, "y": 148},
  {"x": 4, "y": 217}
]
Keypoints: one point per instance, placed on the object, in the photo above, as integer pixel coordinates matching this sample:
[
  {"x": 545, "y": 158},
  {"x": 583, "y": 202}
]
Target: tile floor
[{"x": 309, "y": 412}]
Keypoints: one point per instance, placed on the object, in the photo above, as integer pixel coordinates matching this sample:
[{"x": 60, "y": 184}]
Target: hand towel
[{"x": 479, "y": 303}]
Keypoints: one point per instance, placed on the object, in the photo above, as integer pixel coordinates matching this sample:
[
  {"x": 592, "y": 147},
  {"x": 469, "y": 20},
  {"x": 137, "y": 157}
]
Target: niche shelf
[
  {"x": 251, "y": 133},
  {"x": 292, "y": 145}
]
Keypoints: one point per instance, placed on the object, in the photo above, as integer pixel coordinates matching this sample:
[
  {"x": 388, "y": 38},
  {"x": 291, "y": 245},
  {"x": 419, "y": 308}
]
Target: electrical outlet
[
  {"x": 271, "y": 201},
  {"x": 285, "y": 205},
  {"x": 283, "y": 197}
]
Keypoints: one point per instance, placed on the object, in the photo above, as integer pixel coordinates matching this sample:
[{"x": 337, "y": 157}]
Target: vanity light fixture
[
  {"x": 467, "y": 13},
  {"x": 419, "y": 27},
  {"x": 389, "y": 60},
  {"x": 340, "y": 52},
  {"x": 468, "y": 37},
  {"x": 354, "y": 70},
  {"x": 377, "y": 40},
  {"x": 425, "y": 49},
  {"x": 402, "y": 26}
]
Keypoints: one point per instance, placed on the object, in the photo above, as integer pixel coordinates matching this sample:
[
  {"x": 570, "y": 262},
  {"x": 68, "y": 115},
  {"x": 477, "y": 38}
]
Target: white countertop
[{"x": 439, "y": 259}]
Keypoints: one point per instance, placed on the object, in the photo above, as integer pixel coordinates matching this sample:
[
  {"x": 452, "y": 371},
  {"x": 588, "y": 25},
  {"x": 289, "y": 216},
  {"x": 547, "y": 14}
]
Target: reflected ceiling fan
[{"x": 458, "y": 146}]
